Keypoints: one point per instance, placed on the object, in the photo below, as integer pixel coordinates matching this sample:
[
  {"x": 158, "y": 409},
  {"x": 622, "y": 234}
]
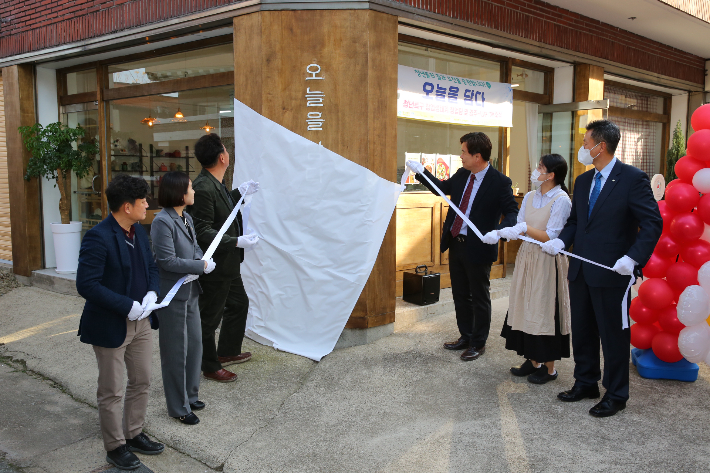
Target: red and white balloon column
[{"x": 673, "y": 306}]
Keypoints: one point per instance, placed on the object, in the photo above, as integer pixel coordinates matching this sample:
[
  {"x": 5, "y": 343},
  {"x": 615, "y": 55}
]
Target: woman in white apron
[{"x": 537, "y": 326}]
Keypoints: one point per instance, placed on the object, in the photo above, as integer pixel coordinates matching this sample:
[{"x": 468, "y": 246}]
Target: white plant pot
[{"x": 67, "y": 241}]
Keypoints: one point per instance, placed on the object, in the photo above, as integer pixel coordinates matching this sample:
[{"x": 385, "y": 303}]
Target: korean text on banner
[{"x": 434, "y": 97}]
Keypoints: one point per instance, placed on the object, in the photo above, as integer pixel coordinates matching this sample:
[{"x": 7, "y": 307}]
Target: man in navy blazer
[
  {"x": 483, "y": 194},
  {"x": 118, "y": 277},
  {"x": 614, "y": 221}
]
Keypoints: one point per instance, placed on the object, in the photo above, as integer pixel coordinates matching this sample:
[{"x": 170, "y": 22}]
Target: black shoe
[
  {"x": 190, "y": 419},
  {"x": 473, "y": 353},
  {"x": 541, "y": 376},
  {"x": 459, "y": 344},
  {"x": 524, "y": 369},
  {"x": 122, "y": 458},
  {"x": 142, "y": 444},
  {"x": 577, "y": 393},
  {"x": 607, "y": 407},
  {"x": 197, "y": 405}
]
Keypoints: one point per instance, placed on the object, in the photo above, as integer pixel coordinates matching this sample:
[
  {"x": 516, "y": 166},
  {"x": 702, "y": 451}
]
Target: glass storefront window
[
  {"x": 528, "y": 80},
  {"x": 86, "y": 192},
  {"x": 434, "y": 144},
  {"x": 81, "y": 82},
  {"x": 168, "y": 145},
  {"x": 195, "y": 63}
]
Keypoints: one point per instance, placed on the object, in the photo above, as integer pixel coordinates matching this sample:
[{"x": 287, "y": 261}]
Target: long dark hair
[{"x": 557, "y": 164}]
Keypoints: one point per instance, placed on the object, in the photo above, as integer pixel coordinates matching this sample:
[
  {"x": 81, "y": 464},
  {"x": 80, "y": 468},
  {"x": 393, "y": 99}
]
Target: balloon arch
[{"x": 671, "y": 312}]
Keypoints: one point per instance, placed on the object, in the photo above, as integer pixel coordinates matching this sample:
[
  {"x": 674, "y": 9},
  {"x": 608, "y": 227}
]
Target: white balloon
[
  {"x": 706, "y": 233},
  {"x": 693, "y": 306},
  {"x": 707, "y": 359},
  {"x": 701, "y": 181},
  {"x": 694, "y": 342},
  {"x": 704, "y": 277}
]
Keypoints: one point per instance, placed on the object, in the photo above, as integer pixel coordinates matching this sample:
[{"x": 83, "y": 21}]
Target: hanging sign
[{"x": 434, "y": 97}]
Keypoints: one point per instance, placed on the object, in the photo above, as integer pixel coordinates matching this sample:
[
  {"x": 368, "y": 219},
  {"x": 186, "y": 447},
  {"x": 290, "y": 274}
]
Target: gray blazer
[{"x": 175, "y": 253}]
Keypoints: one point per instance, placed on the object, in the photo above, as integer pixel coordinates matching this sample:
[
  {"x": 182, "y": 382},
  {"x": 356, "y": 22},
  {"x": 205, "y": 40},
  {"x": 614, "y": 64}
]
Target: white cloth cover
[{"x": 321, "y": 219}]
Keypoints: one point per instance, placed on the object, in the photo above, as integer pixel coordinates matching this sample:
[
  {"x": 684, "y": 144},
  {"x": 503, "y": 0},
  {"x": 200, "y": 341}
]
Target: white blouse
[{"x": 559, "y": 212}]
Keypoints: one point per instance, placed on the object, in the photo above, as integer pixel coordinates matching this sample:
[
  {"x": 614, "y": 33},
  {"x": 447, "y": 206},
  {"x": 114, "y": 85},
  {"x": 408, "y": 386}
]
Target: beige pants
[{"x": 134, "y": 356}]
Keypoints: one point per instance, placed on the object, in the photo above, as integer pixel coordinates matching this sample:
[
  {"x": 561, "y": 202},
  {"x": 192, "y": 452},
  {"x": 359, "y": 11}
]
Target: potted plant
[
  {"x": 56, "y": 153},
  {"x": 676, "y": 151},
  {"x": 515, "y": 188}
]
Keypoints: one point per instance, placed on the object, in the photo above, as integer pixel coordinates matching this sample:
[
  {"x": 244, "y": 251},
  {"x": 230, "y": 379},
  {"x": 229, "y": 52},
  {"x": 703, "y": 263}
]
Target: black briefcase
[{"x": 421, "y": 287}]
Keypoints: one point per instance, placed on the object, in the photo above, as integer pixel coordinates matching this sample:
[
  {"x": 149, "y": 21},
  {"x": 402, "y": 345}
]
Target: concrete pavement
[{"x": 402, "y": 403}]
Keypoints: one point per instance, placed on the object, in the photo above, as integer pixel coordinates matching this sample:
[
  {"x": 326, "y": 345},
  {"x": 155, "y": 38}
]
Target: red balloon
[
  {"x": 657, "y": 266},
  {"x": 701, "y": 118},
  {"x": 686, "y": 167},
  {"x": 641, "y": 314},
  {"x": 703, "y": 209},
  {"x": 656, "y": 294},
  {"x": 668, "y": 320},
  {"x": 696, "y": 253},
  {"x": 699, "y": 145},
  {"x": 642, "y": 335},
  {"x": 686, "y": 227},
  {"x": 667, "y": 247},
  {"x": 665, "y": 347},
  {"x": 666, "y": 213},
  {"x": 682, "y": 197},
  {"x": 681, "y": 275}
]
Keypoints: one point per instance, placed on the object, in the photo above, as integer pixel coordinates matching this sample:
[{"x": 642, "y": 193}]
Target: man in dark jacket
[
  {"x": 224, "y": 298},
  {"x": 119, "y": 279},
  {"x": 614, "y": 221},
  {"x": 483, "y": 194}
]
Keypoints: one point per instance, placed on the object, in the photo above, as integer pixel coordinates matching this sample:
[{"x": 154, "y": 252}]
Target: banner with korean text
[{"x": 434, "y": 97}]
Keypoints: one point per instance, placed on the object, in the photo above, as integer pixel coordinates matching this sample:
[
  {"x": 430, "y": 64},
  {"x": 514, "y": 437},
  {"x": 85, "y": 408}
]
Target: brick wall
[
  {"x": 539, "y": 21},
  {"x": 30, "y": 25}
]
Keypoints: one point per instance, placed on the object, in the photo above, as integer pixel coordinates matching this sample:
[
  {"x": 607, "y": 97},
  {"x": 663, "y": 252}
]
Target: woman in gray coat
[{"x": 177, "y": 254}]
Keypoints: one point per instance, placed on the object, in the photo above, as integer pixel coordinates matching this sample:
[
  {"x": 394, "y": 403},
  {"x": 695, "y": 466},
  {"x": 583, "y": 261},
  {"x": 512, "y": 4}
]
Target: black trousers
[
  {"x": 226, "y": 302},
  {"x": 596, "y": 314},
  {"x": 471, "y": 289}
]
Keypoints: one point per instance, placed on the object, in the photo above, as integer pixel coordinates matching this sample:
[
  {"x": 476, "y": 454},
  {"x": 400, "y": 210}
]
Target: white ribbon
[
  {"x": 208, "y": 254},
  {"x": 632, "y": 280}
]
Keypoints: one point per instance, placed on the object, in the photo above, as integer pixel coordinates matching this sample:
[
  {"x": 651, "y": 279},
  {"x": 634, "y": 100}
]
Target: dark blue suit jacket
[
  {"x": 104, "y": 280},
  {"x": 625, "y": 221},
  {"x": 494, "y": 198}
]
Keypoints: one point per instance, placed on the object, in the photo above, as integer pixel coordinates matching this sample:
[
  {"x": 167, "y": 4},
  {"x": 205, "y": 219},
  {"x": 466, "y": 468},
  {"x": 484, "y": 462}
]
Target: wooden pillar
[
  {"x": 25, "y": 209},
  {"x": 588, "y": 85},
  {"x": 355, "y": 51}
]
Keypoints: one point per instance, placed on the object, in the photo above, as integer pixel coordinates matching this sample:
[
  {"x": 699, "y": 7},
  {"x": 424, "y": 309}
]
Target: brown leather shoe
[
  {"x": 233, "y": 360},
  {"x": 460, "y": 344},
  {"x": 221, "y": 376},
  {"x": 473, "y": 353}
]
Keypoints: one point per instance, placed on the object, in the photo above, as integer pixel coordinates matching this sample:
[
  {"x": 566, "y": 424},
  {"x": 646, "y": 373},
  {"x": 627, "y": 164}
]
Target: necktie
[
  {"x": 595, "y": 192},
  {"x": 458, "y": 222}
]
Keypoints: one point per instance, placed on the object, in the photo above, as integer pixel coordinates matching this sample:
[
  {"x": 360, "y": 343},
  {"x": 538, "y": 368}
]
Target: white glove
[
  {"x": 490, "y": 238},
  {"x": 248, "y": 188},
  {"x": 190, "y": 278},
  {"x": 210, "y": 266},
  {"x": 415, "y": 166},
  {"x": 553, "y": 247},
  {"x": 247, "y": 241},
  {"x": 624, "y": 266},
  {"x": 513, "y": 233},
  {"x": 145, "y": 314},
  {"x": 149, "y": 298},
  {"x": 135, "y": 312}
]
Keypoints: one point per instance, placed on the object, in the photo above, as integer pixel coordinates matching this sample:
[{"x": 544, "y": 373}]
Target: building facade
[{"x": 146, "y": 79}]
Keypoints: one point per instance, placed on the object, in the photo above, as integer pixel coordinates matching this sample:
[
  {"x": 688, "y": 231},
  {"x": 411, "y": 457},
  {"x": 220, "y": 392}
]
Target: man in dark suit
[
  {"x": 224, "y": 298},
  {"x": 483, "y": 194},
  {"x": 116, "y": 271},
  {"x": 615, "y": 222}
]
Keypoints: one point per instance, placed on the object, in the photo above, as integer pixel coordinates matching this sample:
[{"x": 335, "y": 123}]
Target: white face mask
[
  {"x": 584, "y": 156},
  {"x": 534, "y": 178}
]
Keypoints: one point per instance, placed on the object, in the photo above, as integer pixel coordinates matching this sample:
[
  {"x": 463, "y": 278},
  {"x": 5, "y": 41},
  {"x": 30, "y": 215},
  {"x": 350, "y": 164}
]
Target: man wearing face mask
[
  {"x": 483, "y": 195},
  {"x": 614, "y": 221}
]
